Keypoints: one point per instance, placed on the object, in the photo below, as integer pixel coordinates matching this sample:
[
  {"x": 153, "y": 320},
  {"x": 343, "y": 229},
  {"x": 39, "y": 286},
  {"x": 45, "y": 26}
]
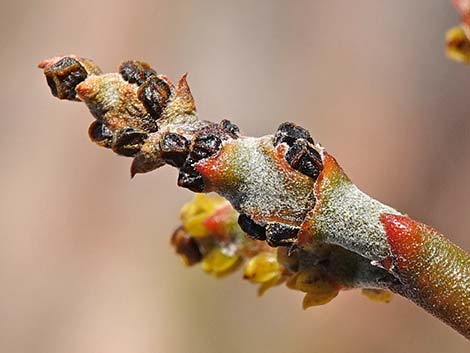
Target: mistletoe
[{"x": 286, "y": 210}]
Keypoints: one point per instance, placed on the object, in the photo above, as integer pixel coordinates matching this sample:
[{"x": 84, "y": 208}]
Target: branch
[{"x": 306, "y": 222}]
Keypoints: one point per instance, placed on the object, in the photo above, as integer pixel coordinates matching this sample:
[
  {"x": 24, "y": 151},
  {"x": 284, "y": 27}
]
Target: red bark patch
[{"x": 403, "y": 235}]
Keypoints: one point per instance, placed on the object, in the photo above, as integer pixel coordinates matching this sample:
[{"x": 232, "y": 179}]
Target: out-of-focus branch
[{"x": 306, "y": 222}]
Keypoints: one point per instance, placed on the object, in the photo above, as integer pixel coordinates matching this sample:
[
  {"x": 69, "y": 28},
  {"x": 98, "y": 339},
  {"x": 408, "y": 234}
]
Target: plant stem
[{"x": 288, "y": 191}]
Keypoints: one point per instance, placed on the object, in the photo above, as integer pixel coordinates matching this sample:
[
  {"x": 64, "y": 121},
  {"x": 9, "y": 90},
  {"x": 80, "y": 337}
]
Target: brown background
[{"x": 85, "y": 264}]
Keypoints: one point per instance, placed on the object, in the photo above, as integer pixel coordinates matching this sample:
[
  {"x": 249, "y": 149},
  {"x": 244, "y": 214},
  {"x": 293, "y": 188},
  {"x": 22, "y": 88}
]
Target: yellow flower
[
  {"x": 264, "y": 269},
  {"x": 318, "y": 298},
  {"x": 194, "y": 213},
  {"x": 218, "y": 262},
  {"x": 458, "y": 45},
  {"x": 320, "y": 290}
]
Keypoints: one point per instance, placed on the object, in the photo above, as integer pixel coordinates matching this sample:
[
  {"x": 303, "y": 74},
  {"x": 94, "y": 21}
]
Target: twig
[{"x": 288, "y": 191}]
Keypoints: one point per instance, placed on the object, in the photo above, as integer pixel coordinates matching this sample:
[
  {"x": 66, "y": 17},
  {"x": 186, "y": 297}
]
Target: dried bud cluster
[
  {"x": 64, "y": 74},
  {"x": 302, "y": 154},
  {"x": 140, "y": 114},
  {"x": 204, "y": 144}
]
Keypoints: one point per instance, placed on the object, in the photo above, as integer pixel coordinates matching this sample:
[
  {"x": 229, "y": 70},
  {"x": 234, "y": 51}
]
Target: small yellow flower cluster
[
  {"x": 264, "y": 269},
  {"x": 194, "y": 213},
  {"x": 318, "y": 288},
  {"x": 210, "y": 222},
  {"x": 219, "y": 256},
  {"x": 458, "y": 45},
  {"x": 219, "y": 262}
]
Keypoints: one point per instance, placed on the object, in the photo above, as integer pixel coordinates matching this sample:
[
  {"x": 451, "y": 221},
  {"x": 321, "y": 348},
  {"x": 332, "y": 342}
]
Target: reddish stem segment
[{"x": 434, "y": 273}]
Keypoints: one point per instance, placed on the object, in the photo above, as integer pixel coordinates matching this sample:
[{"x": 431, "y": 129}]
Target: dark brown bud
[
  {"x": 186, "y": 246},
  {"x": 251, "y": 228},
  {"x": 128, "y": 141},
  {"x": 175, "y": 149},
  {"x": 100, "y": 134},
  {"x": 154, "y": 94},
  {"x": 63, "y": 76},
  {"x": 289, "y": 133},
  {"x": 205, "y": 145},
  {"x": 136, "y": 71},
  {"x": 304, "y": 158},
  {"x": 189, "y": 177},
  {"x": 279, "y": 234},
  {"x": 230, "y": 127}
]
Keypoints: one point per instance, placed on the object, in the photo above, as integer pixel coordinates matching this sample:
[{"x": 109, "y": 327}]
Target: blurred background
[{"x": 85, "y": 261}]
